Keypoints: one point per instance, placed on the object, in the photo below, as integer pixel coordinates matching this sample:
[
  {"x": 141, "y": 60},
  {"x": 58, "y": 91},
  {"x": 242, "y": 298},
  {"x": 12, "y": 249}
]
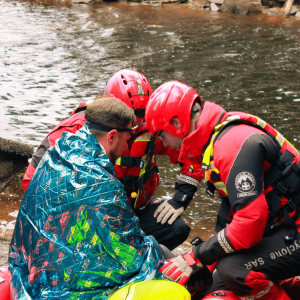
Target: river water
[{"x": 54, "y": 55}]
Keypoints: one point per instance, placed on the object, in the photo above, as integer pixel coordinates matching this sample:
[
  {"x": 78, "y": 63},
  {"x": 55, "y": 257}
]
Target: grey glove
[{"x": 169, "y": 209}]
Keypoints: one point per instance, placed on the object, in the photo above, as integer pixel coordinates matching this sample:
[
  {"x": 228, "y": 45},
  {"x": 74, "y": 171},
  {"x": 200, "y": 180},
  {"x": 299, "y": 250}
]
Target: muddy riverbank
[{"x": 10, "y": 200}]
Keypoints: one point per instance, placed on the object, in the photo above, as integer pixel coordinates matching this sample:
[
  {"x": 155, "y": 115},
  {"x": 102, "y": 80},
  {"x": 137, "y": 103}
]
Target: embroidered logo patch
[
  {"x": 191, "y": 169},
  {"x": 245, "y": 183}
]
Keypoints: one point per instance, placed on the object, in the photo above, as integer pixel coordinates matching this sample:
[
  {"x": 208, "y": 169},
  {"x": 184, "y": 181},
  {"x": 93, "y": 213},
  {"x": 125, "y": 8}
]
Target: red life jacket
[
  {"x": 138, "y": 167},
  {"x": 212, "y": 121},
  {"x": 71, "y": 124}
]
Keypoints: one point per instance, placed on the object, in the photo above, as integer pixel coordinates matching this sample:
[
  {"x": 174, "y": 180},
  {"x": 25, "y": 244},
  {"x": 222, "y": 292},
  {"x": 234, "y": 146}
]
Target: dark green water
[{"x": 53, "y": 56}]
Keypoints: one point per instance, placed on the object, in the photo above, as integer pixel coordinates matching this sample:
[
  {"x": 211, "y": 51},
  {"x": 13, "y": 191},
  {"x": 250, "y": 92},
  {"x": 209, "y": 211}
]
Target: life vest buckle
[
  {"x": 281, "y": 188},
  {"x": 291, "y": 205}
]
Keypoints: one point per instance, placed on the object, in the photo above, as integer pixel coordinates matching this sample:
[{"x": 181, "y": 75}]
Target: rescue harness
[
  {"x": 132, "y": 184},
  {"x": 283, "y": 176}
]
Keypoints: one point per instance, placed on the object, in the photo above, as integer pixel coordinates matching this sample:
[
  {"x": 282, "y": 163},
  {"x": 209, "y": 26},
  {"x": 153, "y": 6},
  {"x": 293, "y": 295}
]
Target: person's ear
[
  {"x": 112, "y": 136},
  {"x": 176, "y": 122}
]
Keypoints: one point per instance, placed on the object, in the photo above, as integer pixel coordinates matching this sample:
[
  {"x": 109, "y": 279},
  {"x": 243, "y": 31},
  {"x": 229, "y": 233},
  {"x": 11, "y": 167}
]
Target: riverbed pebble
[{"x": 14, "y": 213}]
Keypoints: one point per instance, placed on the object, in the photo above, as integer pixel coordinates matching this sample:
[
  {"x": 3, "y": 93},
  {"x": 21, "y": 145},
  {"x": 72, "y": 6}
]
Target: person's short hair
[
  {"x": 109, "y": 112},
  {"x": 196, "y": 110}
]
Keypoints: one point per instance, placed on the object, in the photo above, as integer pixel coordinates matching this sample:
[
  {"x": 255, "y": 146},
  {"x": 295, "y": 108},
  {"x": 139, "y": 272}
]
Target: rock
[
  {"x": 272, "y": 2},
  {"x": 82, "y": 1},
  {"x": 10, "y": 147},
  {"x": 293, "y": 10},
  {"x": 287, "y": 7},
  {"x": 255, "y": 8},
  {"x": 11, "y": 225},
  {"x": 14, "y": 214},
  {"x": 213, "y": 7},
  {"x": 235, "y": 6},
  {"x": 13, "y": 158},
  {"x": 6, "y": 169},
  {"x": 274, "y": 11}
]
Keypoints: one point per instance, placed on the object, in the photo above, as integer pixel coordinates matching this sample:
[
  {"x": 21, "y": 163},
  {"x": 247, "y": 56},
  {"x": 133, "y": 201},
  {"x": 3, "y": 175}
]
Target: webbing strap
[
  {"x": 288, "y": 187},
  {"x": 210, "y": 188},
  {"x": 130, "y": 161},
  {"x": 273, "y": 173},
  {"x": 272, "y": 178},
  {"x": 290, "y": 222},
  {"x": 134, "y": 183},
  {"x": 148, "y": 175},
  {"x": 150, "y": 153}
]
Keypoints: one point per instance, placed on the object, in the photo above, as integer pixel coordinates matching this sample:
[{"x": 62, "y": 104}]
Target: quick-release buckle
[
  {"x": 141, "y": 166},
  {"x": 130, "y": 161},
  {"x": 290, "y": 206},
  {"x": 281, "y": 188}
]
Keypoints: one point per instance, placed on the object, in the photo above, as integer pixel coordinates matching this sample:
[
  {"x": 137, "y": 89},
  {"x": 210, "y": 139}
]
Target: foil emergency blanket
[{"x": 76, "y": 236}]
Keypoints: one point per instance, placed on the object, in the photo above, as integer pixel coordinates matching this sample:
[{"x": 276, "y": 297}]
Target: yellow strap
[
  {"x": 118, "y": 161},
  {"x": 207, "y": 154}
]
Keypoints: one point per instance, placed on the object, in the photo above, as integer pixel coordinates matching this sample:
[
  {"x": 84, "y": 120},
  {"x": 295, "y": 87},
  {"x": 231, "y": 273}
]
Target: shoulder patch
[{"x": 245, "y": 184}]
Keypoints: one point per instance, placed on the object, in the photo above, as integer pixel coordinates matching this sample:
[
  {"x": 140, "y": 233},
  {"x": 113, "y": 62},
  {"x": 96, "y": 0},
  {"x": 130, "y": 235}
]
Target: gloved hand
[
  {"x": 180, "y": 268},
  {"x": 169, "y": 209}
]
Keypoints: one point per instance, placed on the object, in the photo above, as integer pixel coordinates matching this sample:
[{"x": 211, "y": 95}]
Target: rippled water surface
[{"x": 53, "y": 56}]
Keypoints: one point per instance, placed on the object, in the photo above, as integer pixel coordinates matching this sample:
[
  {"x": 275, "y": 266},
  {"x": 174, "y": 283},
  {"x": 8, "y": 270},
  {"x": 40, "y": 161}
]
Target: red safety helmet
[
  {"x": 132, "y": 88},
  {"x": 171, "y": 99}
]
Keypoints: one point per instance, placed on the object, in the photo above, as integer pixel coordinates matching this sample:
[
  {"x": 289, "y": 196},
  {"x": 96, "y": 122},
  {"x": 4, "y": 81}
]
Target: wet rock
[
  {"x": 214, "y": 7},
  {"x": 13, "y": 158},
  {"x": 86, "y": 1},
  {"x": 255, "y": 8},
  {"x": 15, "y": 148},
  {"x": 6, "y": 169},
  {"x": 274, "y": 11},
  {"x": 272, "y": 2},
  {"x": 293, "y": 10},
  {"x": 235, "y": 6}
]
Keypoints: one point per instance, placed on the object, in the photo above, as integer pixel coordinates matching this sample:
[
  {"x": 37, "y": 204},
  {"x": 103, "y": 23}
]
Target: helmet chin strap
[
  {"x": 150, "y": 153},
  {"x": 196, "y": 122}
]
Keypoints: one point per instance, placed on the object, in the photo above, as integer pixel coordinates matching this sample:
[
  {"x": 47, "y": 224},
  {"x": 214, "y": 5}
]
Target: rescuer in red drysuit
[
  {"x": 256, "y": 173},
  {"x": 134, "y": 90}
]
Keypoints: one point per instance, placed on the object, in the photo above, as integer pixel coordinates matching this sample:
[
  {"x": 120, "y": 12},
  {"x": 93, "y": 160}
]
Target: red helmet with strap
[
  {"x": 171, "y": 99},
  {"x": 132, "y": 88}
]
